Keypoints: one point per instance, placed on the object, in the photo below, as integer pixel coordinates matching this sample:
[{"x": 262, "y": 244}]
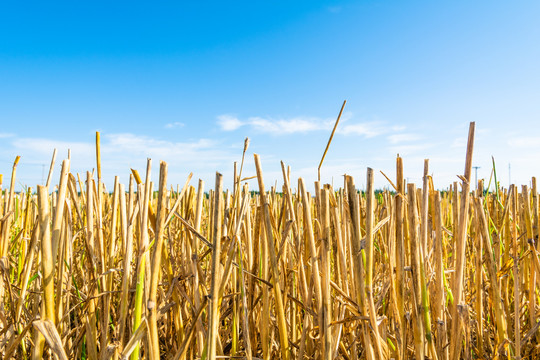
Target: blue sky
[{"x": 187, "y": 82}]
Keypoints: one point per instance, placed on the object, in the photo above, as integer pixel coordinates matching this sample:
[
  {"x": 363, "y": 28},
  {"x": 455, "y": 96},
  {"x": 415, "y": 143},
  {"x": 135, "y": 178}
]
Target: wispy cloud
[
  {"x": 176, "y": 124},
  {"x": 303, "y": 124},
  {"x": 367, "y": 129},
  {"x": 399, "y": 138},
  {"x": 204, "y": 156},
  {"x": 119, "y": 153},
  {"x": 288, "y": 126},
  {"x": 42, "y": 148},
  {"x": 410, "y": 149},
  {"x": 525, "y": 142},
  {"x": 117, "y": 147},
  {"x": 229, "y": 122},
  {"x": 459, "y": 142},
  {"x": 274, "y": 126},
  {"x": 136, "y": 144}
]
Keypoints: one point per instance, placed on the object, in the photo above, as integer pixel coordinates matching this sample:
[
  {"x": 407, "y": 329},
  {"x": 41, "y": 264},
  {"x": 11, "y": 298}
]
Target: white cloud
[
  {"x": 525, "y": 142},
  {"x": 137, "y": 144},
  {"x": 119, "y": 153},
  {"x": 408, "y": 150},
  {"x": 368, "y": 129},
  {"x": 176, "y": 124},
  {"x": 204, "y": 157},
  {"x": 274, "y": 126},
  {"x": 399, "y": 138},
  {"x": 294, "y": 125},
  {"x": 116, "y": 149},
  {"x": 41, "y": 149},
  {"x": 460, "y": 142},
  {"x": 228, "y": 122},
  {"x": 302, "y": 124}
]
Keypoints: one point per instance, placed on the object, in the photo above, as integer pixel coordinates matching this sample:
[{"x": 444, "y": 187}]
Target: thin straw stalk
[
  {"x": 213, "y": 318},
  {"x": 152, "y": 306},
  {"x": 461, "y": 241},
  {"x": 281, "y": 320}
]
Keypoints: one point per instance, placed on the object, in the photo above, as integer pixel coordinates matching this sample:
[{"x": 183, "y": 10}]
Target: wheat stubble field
[{"x": 165, "y": 271}]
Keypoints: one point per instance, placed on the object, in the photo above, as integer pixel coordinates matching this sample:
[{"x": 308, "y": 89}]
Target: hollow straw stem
[
  {"x": 498, "y": 309},
  {"x": 194, "y": 263},
  {"x": 182, "y": 352},
  {"x": 98, "y": 155},
  {"x": 111, "y": 251},
  {"x": 341, "y": 264},
  {"x": 7, "y": 222},
  {"x": 533, "y": 244},
  {"x": 418, "y": 325},
  {"x": 424, "y": 258},
  {"x": 47, "y": 261},
  {"x": 478, "y": 304},
  {"x": 326, "y": 310},
  {"x": 5, "y": 228},
  {"x": 461, "y": 242},
  {"x": 213, "y": 319},
  {"x": 56, "y": 231},
  {"x": 59, "y": 213},
  {"x": 263, "y": 273},
  {"x": 245, "y": 321},
  {"x": 141, "y": 268},
  {"x": 91, "y": 328},
  {"x": 51, "y": 168},
  {"x": 311, "y": 241},
  {"x": 103, "y": 265},
  {"x": 152, "y": 305},
  {"x": 27, "y": 268},
  {"x": 400, "y": 259},
  {"x": 517, "y": 276},
  {"x": 289, "y": 198},
  {"x": 358, "y": 271},
  {"x": 280, "y": 312},
  {"x": 63, "y": 261},
  {"x": 530, "y": 244},
  {"x": 370, "y": 200},
  {"x": 439, "y": 293},
  {"x": 232, "y": 247},
  {"x": 126, "y": 212},
  {"x": 424, "y": 250},
  {"x": 330, "y": 140}
]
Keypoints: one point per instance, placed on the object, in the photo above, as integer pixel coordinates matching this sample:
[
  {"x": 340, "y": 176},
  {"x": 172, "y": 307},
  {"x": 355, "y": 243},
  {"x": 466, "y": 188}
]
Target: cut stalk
[
  {"x": 213, "y": 318},
  {"x": 358, "y": 271},
  {"x": 369, "y": 262},
  {"x": 326, "y": 310},
  {"x": 419, "y": 342},
  {"x": 439, "y": 294},
  {"x": 152, "y": 305},
  {"x": 280, "y": 312},
  {"x": 461, "y": 242},
  {"x": 143, "y": 253}
]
